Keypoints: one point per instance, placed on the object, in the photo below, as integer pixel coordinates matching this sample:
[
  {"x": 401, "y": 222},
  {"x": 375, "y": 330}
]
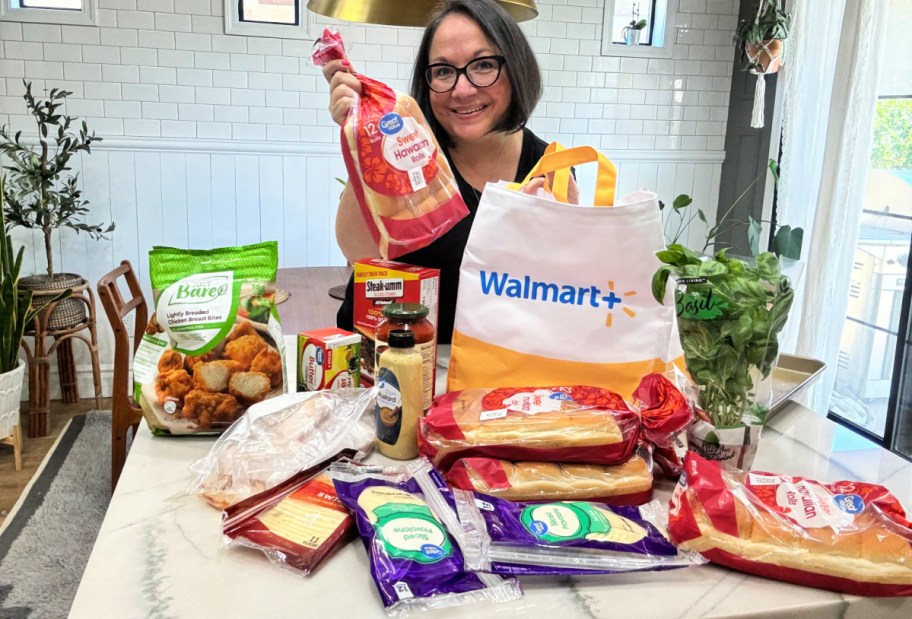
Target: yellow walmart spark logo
[{"x": 612, "y": 299}]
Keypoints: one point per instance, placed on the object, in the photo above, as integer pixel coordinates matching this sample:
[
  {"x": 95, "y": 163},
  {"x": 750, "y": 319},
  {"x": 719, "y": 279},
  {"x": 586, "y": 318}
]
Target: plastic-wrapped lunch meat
[
  {"x": 406, "y": 190},
  {"x": 407, "y": 527}
]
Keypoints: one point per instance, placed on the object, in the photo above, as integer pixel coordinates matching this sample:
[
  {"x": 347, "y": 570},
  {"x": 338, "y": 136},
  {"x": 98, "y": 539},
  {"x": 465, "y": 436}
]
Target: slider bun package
[
  {"x": 551, "y": 424},
  {"x": 628, "y": 483},
  {"x": 404, "y": 185},
  {"x": 845, "y": 536}
]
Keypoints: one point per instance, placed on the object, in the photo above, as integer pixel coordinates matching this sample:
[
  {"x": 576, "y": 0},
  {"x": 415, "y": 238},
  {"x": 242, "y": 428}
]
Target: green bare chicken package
[{"x": 213, "y": 345}]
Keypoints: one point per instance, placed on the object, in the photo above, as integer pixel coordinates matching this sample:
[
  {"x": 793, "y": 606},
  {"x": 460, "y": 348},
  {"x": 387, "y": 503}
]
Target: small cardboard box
[
  {"x": 381, "y": 282},
  {"x": 328, "y": 358}
]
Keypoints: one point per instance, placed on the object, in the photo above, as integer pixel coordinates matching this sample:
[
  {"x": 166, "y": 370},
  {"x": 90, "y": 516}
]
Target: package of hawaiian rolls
[
  {"x": 409, "y": 528},
  {"x": 845, "y": 536},
  {"x": 213, "y": 345},
  {"x": 400, "y": 176},
  {"x": 628, "y": 483},
  {"x": 577, "y": 424},
  {"x": 565, "y": 537}
]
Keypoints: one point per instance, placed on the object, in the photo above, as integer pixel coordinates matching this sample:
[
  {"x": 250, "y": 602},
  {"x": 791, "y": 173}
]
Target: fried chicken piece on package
[
  {"x": 240, "y": 330},
  {"x": 173, "y": 385},
  {"x": 212, "y": 377},
  {"x": 245, "y": 349},
  {"x": 169, "y": 361},
  {"x": 249, "y": 387},
  {"x": 208, "y": 408},
  {"x": 269, "y": 362},
  {"x": 190, "y": 362}
]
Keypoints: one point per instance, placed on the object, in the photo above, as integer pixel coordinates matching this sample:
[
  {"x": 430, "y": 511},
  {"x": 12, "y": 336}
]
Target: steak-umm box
[{"x": 381, "y": 282}]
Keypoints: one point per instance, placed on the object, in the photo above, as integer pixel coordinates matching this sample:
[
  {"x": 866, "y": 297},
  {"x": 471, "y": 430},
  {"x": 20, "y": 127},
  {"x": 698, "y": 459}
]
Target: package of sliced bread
[
  {"x": 845, "y": 536},
  {"x": 397, "y": 171},
  {"x": 547, "y": 424},
  {"x": 629, "y": 483}
]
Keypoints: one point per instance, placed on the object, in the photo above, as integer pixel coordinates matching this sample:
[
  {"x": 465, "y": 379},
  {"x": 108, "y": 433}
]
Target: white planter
[{"x": 10, "y": 394}]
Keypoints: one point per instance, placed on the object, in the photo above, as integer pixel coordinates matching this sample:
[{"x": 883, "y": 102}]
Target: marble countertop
[{"x": 158, "y": 553}]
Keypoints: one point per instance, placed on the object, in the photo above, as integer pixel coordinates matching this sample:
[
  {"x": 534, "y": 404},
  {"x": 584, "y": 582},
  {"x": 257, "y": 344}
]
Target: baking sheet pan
[{"x": 790, "y": 377}]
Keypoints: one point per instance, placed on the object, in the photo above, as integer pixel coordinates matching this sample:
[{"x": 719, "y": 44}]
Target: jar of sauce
[
  {"x": 399, "y": 397},
  {"x": 412, "y": 317}
]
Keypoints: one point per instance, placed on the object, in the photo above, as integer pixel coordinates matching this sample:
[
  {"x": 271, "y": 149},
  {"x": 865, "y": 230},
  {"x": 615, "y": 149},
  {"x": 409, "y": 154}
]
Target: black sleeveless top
[{"x": 446, "y": 252}]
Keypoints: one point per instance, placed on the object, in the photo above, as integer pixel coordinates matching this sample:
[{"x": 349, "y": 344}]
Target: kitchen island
[{"x": 159, "y": 554}]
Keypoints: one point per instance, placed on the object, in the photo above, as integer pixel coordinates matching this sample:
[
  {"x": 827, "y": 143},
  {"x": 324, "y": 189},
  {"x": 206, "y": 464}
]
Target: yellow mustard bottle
[{"x": 400, "y": 397}]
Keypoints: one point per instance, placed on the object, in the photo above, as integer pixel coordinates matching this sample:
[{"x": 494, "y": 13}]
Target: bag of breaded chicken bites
[
  {"x": 404, "y": 186},
  {"x": 213, "y": 345}
]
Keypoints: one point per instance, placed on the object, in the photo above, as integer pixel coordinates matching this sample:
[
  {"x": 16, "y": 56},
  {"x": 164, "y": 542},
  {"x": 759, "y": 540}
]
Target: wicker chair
[{"x": 126, "y": 414}]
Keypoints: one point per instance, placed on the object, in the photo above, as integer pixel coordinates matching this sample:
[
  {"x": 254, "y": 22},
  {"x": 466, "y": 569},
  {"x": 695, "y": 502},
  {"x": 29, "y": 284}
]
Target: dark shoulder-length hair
[{"x": 502, "y": 30}]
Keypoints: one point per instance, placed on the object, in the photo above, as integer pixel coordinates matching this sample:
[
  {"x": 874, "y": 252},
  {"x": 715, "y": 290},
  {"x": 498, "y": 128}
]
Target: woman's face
[{"x": 467, "y": 113}]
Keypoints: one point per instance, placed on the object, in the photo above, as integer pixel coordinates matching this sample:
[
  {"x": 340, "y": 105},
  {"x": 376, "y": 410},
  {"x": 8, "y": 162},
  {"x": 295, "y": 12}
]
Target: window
[
  {"x": 873, "y": 389},
  {"x": 68, "y": 12},
  {"x": 285, "y": 19},
  {"x": 654, "y": 39}
]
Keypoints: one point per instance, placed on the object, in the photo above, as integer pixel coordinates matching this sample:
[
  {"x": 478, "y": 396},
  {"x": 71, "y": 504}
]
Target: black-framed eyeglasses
[{"x": 481, "y": 73}]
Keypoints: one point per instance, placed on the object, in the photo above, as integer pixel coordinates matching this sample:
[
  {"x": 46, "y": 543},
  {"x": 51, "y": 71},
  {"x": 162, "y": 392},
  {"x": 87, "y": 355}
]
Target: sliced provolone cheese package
[
  {"x": 564, "y": 537},
  {"x": 412, "y": 537}
]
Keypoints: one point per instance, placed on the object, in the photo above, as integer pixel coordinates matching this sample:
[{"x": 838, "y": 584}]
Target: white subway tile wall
[{"x": 120, "y": 70}]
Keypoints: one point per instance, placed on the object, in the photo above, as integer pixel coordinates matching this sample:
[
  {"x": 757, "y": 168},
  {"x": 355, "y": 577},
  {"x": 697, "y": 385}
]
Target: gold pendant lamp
[{"x": 403, "y": 12}]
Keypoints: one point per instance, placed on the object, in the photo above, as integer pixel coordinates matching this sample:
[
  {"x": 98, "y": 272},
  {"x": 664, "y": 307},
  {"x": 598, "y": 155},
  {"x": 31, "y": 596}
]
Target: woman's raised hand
[
  {"x": 344, "y": 88},
  {"x": 538, "y": 182}
]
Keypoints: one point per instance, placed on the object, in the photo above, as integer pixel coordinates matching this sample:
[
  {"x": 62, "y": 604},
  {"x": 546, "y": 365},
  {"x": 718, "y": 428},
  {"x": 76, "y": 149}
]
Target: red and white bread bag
[
  {"x": 407, "y": 193},
  {"x": 844, "y": 536}
]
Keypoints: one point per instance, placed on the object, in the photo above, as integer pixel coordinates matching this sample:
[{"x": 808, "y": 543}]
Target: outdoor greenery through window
[
  {"x": 269, "y": 11},
  {"x": 866, "y": 369}
]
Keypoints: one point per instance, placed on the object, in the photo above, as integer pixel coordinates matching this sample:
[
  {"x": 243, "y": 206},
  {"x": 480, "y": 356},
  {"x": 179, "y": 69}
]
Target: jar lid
[
  {"x": 405, "y": 311},
  {"x": 400, "y": 338}
]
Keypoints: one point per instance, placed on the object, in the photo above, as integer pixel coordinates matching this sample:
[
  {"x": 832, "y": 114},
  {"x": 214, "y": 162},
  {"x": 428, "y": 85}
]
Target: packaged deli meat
[
  {"x": 213, "y": 346},
  {"x": 280, "y": 437},
  {"x": 628, "y": 483},
  {"x": 400, "y": 177},
  {"x": 844, "y": 536},
  {"x": 297, "y": 524},
  {"x": 549, "y": 424},
  {"x": 565, "y": 537},
  {"x": 413, "y": 539}
]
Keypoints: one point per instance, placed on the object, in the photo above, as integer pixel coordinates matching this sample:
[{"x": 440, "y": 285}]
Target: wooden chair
[{"x": 125, "y": 413}]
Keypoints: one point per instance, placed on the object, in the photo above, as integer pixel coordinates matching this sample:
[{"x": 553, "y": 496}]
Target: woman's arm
[{"x": 352, "y": 235}]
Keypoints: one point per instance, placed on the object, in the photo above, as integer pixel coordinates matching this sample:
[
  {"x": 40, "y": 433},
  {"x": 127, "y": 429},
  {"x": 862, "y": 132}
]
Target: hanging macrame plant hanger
[{"x": 765, "y": 58}]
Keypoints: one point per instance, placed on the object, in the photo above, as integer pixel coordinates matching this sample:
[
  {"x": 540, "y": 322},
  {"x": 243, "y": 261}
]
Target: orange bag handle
[{"x": 561, "y": 160}]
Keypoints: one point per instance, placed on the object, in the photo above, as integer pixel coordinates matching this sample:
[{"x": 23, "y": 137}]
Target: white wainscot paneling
[
  {"x": 203, "y": 194},
  {"x": 195, "y": 194}
]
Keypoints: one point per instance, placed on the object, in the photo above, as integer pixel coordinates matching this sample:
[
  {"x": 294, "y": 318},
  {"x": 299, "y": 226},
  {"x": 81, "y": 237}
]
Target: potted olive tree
[
  {"x": 41, "y": 195},
  {"x": 16, "y": 312}
]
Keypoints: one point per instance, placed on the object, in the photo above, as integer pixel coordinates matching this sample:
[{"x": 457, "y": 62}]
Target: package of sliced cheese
[
  {"x": 404, "y": 185},
  {"x": 628, "y": 483},
  {"x": 845, "y": 536},
  {"x": 548, "y": 424},
  {"x": 564, "y": 537}
]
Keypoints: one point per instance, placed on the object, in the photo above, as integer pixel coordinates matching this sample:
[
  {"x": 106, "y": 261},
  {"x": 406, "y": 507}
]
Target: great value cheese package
[
  {"x": 381, "y": 282},
  {"x": 845, "y": 536},
  {"x": 404, "y": 186}
]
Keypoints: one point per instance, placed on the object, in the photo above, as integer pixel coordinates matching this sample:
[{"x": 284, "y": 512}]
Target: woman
[{"x": 477, "y": 81}]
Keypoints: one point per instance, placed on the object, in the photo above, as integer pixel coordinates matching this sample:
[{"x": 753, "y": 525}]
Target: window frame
[
  {"x": 234, "y": 26},
  {"x": 86, "y": 16},
  {"x": 609, "y": 48}
]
